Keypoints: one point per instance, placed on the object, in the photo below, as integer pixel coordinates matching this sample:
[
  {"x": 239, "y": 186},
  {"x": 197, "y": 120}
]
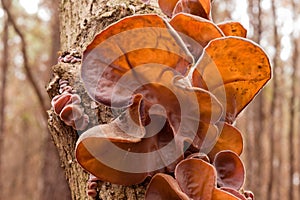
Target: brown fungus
[
  {"x": 195, "y": 31},
  {"x": 92, "y": 186},
  {"x": 167, "y": 6},
  {"x": 201, "y": 8},
  {"x": 194, "y": 179},
  {"x": 163, "y": 186},
  {"x": 230, "y": 170},
  {"x": 219, "y": 194},
  {"x": 233, "y": 29},
  {"x": 171, "y": 103},
  {"x": 234, "y": 192},
  {"x": 233, "y": 65},
  {"x": 68, "y": 106},
  {"x": 230, "y": 138},
  {"x": 148, "y": 80}
]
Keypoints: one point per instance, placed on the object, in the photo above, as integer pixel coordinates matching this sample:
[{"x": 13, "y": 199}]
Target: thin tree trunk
[
  {"x": 4, "y": 67},
  {"x": 293, "y": 107},
  {"x": 250, "y": 161},
  {"x": 292, "y": 123},
  {"x": 28, "y": 72},
  {"x": 273, "y": 106},
  {"x": 255, "y": 112},
  {"x": 258, "y": 110}
]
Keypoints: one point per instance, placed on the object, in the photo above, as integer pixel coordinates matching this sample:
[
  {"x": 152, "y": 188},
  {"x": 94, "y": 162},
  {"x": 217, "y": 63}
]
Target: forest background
[{"x": 30, "y": 42}]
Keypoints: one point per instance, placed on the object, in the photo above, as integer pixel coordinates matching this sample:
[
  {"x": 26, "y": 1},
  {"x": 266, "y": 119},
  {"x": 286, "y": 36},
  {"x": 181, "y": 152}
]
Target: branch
[{"x": 28, "y": 72}]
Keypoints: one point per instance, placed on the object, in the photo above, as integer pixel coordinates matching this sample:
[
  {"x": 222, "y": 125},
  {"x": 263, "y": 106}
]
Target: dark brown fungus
[
  {"x": 249, "y": 195},
  {"x": 200, "y": 8},
  {"x": 230, "y": 170}
]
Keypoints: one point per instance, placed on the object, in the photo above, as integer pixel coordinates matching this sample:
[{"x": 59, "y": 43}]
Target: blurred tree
[
  {"x": 30, "y": 167},
  {"x": 294, "y": 110},
  {"x": 271, "y": 130},
  {"x": 4, "y": 66}
]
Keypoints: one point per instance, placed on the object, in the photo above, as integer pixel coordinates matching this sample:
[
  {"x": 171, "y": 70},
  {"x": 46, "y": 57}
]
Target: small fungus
[
  {"x": 68, "y": 106},
  {"x": 233, "y": 29},
  {"x": 200, "y": 8},
  {"x": 230, "y": 170},
  {"x": 92, "y": 186}
]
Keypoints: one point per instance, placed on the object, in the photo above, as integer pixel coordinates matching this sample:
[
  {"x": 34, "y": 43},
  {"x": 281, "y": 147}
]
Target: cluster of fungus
[
  {"x": 181, "y": 82},
  {"x": 68, "y": 106}
]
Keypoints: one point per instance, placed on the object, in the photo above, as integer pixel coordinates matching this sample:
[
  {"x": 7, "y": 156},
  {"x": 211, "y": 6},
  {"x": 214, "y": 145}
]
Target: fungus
[
  {"x": 194, "y": 178},
  {"x": 69, "y": 57},
  {"x": 219, "y": 194},
  {"x": 171, "y": 103},
  {"x": 189, "y": 115},
  {"x": 233, "y": 29},
  {"x": 196, "y": 7},
  {"x": 195, "y": 31},
  {"x": 234, "y": 192},
  {"x": 230, "y": 170},
  {"x": 249, "y": 195},
  {"x": 92, "y": 185},
  {"x": 230, "y": 138},
  {"x": 67, "y": 106},
  {"x": 167, "y": 6},
  {"x": 244, "y": 69},
  {"x": 163, "y": 186}
]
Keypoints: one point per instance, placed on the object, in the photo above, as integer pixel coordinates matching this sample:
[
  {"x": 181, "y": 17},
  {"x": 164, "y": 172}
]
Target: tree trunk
[
  {"x": 271, "y": 181},
  {"x": 4, "y": 67},
  {"x": 80, "y": 21}
]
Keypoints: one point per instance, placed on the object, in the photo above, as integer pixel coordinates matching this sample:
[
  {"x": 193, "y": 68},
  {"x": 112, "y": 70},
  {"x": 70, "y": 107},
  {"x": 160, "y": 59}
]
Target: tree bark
[
  {"x": 53, "y": 187},
  {"x": 80, "y": 21}
]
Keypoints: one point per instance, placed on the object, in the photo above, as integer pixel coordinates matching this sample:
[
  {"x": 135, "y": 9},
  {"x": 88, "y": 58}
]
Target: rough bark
[
  {"x": 51, "y": 164},
  {"x": 80, "y": 21}
]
